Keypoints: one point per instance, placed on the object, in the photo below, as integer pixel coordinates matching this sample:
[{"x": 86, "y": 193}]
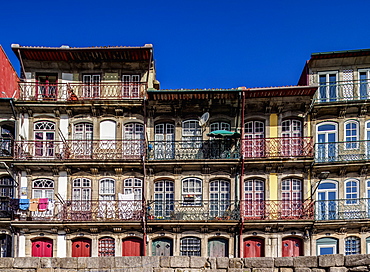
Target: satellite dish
[{"x": 203, "y": 119}]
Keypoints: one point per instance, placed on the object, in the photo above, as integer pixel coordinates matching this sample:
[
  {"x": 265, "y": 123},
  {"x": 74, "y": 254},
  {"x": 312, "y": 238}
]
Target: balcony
[
  {"x": 193, "y": 210},
  {"x": 284, "y": 147},
  {"x": 32, "y": 91},
  {"x": 277, "y": 210},
  {"x": 343, "y": 91},
  {"x": 342, "y": 209},
  {"x": 192, "y": 150},
  {"x": 342, "y": 151},
  {"x": 79, "y": 150}
]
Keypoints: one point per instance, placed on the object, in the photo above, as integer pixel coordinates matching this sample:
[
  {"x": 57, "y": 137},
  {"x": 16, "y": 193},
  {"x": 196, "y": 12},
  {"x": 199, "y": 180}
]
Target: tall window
[
  {"x": 130, "y": 86},
  {"x": 352, "y": 191},
  {"x": 327, "y": 137},
  {"x": 44, "y": 139},
  {"x": 192, "y": 190},
  {"x": 164, "y": 145},
  {"x": 107, "y": 189},
  {"x": 43, "y": 188},
  {"x": 292, "y": 141},
  {"x": 351, "y": 135},
  {"x": 6, "y": 187},
  {"x": 164, "y": 198},
  {"x": 190, "y": 246},
  {"x": 133, "y": 134},
  {"x": 81, "y": 189},
  {"x": 353, "y": 245},
  {"x": 91, "y": 86},
  {"x": 364, "y": 76},
  {"x": 254, "y": 142},
  {"x": 328, "y": 86},
  {"x": 219, "y": 126},
  {"x": 326, "y": 204},
  {"x": 106, "y": 247},
  {"x": 254, "y": 197},
  {"x": 291, "y": 196},
  {"x": 133, "y": 186},
  {"x": 219, "y": 197},
  {"x": 191, "y": 131}
]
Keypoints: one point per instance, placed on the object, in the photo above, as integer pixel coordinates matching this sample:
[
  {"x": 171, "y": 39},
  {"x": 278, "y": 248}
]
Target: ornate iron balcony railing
[
  {"x": 343, "y": 91},
  {"x": 342, "y": 209},
  {"x": 33, "y": 91},
  {"x": 192, "y": 150},
  {"x": 193, "y": 209},
  {"x": 284, "y": 147},
  {"x": 277, "y": 209},
  {"x": 79, "y": 150},
  {"x": 342, "y": 151}
]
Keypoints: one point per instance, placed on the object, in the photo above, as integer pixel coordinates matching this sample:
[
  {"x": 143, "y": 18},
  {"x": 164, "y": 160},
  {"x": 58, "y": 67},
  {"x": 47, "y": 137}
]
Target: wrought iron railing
[
  {"x": 277, "y": 210},
  {"x": 342, "y": 209},
  {"x": 192, "y": 150},
  {"x": 33, "y": 91},
  {"x": 343, "y": 91},
  {"x": 187, "y": 210},
  {"x": 79, "y": 150},
  {"x": 102, "y": 210},
  {"x": 342, "y": 151},
  {"x": 283, "y": 147}
]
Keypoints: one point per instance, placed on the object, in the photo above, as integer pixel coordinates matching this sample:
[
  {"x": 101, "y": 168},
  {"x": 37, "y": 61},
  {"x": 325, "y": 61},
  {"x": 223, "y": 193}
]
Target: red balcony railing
[
  {"x": 33, "y": 91},
  {"x": 277, "y": 210},
  {"x": 285, "y": 147},
  {"x": 79, "y": 150}
]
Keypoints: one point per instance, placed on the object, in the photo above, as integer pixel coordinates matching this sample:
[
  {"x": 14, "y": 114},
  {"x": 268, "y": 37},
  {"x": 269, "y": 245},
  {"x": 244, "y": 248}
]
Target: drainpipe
[
  {"x": 241, "y": 175},
  {"x": 144, "y": 179}
]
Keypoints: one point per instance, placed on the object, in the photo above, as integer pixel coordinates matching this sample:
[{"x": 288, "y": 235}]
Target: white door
[
  {"x": 292, "y": 138},
  {"x": 91, "y": 86},
  {"x": 328, "y": 87},
  {"x": 130, "y": 86},
  {"x": 254, "y": 139},
  {"x": 164, "y": 145}
]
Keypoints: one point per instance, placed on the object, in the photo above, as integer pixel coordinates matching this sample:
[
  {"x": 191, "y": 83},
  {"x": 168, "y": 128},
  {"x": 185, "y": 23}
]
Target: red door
[
  {"x": 81, "y": 248},
  {"x": 254, "y": 247},
  {"x": 42, "y": 248},
  {"x": 132, "y": 247},
  {"x": 292, "y": 247}
]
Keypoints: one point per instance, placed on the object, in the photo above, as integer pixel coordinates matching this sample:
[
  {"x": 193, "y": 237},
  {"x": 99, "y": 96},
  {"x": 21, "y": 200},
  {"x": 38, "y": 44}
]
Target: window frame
[
  {"x": 351, "y": 141},
  {"x": 191, "y": 191},
  {"x": 351, "y": 200},
  {"x": 190, "y": 249},
  {"x": 353, "y": 246}
]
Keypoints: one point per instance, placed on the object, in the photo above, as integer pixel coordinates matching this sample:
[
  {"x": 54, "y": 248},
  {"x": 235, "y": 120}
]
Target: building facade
[{"x": 102, "y": 162}]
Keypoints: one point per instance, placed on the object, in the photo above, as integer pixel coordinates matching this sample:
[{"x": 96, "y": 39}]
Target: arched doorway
[
  {"x": 81, "y": 247},
  {"x": 42, "y": 248},
  {"x": 254, "y": 247},
  {"x": 218, "y": 247},
  {"x": 162, "y": 247},
  {"x": 292, "y": 247},
  {"x": 132, "y": 247}
]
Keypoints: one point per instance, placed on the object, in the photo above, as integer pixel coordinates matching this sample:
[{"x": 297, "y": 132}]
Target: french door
[
  {"x": 91, "y": 86},
  {"x": 164, "y": 145},
  {"x": 326, "y": 204},
  {"x": 130, "y": 86},
  {"x": 291, "y": 138},
  {"x": 254, "y": 141}
]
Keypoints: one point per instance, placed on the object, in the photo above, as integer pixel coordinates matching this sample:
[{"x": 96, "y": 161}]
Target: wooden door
[
  {"x": 162, "y": 247},
  {"x": 81, "y": 248},
  {"x": 42, "y": 248},
  {"x": 292, "y": 247},
  {"x": 218, "y": 248},
  {"x": 254, "y": 247},
  {"x": 132, "y": 247}
]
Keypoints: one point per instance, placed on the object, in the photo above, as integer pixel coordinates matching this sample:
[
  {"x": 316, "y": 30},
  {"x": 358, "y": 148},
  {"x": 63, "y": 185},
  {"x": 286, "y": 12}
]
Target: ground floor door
[
  {"x": 81, "y": 248},
  {"x": 292, "y": 247},
  {"x": 42, "y": 248},
  {"x": 162, "y": 247},
  {"x": 132, "y": 247},
  {"x": 218, "y": 248},
  {"x": 254, "y": 247}
]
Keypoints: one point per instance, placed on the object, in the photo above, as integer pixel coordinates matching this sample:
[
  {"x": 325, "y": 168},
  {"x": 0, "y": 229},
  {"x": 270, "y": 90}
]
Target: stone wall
[{"x": 325, "y": 263}]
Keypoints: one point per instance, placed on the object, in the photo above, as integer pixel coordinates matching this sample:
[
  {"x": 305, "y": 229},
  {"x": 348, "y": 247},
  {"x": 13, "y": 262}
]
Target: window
[
  {"x": 254, "y": 196},
  {"x": 130, "y": 86},
  {"x": 254, "y": 142},
  {"x": 291, "y": 196},
  {"x": 133, "y": 134},
  {"x": 328, "y": 86},
  {"x": 352, "y": 245},
  {"x": 326, "y": 142},
  {"x": 133, "y": 186},
  {"x": 6, "y": 187},
  {"x": 364, "y": 76},
  {"x": 351, "y": 135},
  {"x": 43, "y": 188},
  {"x": 352, "y": 191},
  {"x": 44, "y": 139},
  {"x": 191, "y": 131},
  {"x": 106, "y": 247},
  {"x": 81, "y": 189},
  {"x": 190, "y": 246},
  {"x": 327, "y": 246},
  {"x": 292, "y": 137},
  {"x": 163, "y": 199},
  {"x": 107, "y": 189},
  {"x": 219, "y": 197},
  {"x": 192, "y": 191},
  {"x": 164, "y": 145},
  {"x": 219, "y": 126},
  {"x": 91, "y": 86},
  {"x": 326, "y": 204}
]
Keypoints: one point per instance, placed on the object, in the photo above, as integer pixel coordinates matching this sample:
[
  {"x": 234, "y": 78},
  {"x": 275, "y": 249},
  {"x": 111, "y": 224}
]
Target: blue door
[
  {"x": 327, "y": 201},
  {"x": 327, "y": 146}
]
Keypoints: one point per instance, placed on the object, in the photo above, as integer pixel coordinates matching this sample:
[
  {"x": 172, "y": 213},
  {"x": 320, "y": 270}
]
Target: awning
[{"x": 223, "y": 133}]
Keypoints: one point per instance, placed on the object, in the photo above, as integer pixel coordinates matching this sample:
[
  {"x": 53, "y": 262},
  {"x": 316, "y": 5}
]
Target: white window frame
[
  {"x": 351, "y": 201},
  {"x": 351, "y": 144},
  {"x": 358, "y": 243},
  {"x": 367, "y": 71},
  {"x": 219, "y": 125},
  {"x": 105, "y": 192},
  {"x": 327, "y": 73},
  {"x": 334, "y": 247},
  {"x": 133, "y": 185},
  {"x": 192, "y": 188}
]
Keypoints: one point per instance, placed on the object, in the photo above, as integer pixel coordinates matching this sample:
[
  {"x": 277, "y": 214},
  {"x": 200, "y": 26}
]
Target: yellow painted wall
[
  {"x": 273, "y": 186},
  {"x": 273, "y": 125},
  {"x": 309, "y": 134}
]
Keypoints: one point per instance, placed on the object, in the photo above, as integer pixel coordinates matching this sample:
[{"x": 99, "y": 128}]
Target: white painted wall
[{"x": 61, "y": 244}]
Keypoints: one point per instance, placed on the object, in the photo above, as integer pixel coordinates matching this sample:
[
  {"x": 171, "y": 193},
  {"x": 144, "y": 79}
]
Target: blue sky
[{"x": 197, "y": 43}]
